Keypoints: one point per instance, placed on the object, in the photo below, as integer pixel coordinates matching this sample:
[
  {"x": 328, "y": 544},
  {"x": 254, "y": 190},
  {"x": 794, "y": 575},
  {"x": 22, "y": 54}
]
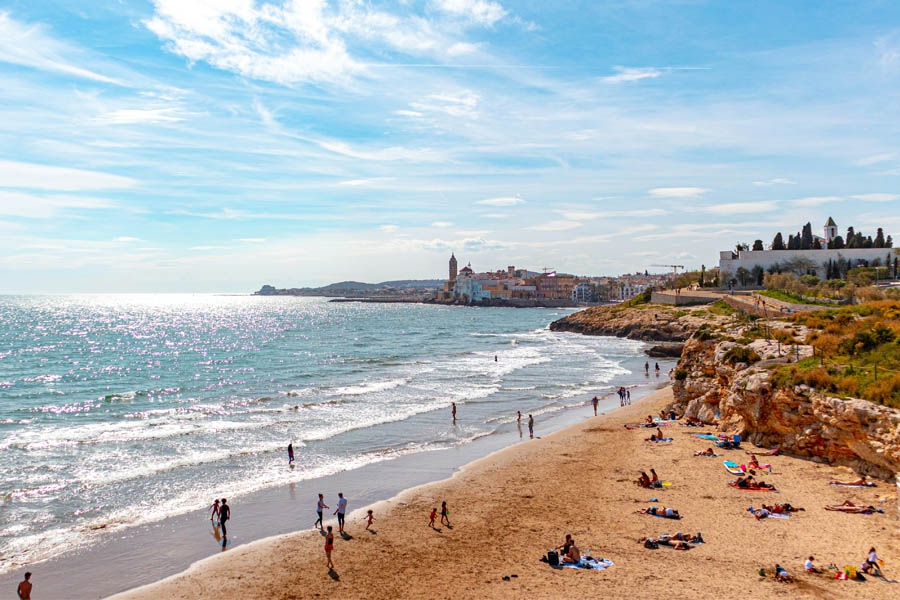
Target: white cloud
[
  {"x": 286, "y": 44},
  {"x": 389, "y": 228},
  {"x": 775, "y": 181},
  {"x": 45, "y": 177},
  {"x": 678, "y": 192},
  {"x": 462, "y": 48},
  {"x": 29, "y": 46},
  {"x": 493, "y": 215},
  {"x": 612, "y": 214},
  {"x": 34, "y": 206},
  {"x": 815, "y": 200},
  {"x": 741, "y": 208},
  {"x": 125, "y": 238},
  {"x": 459, "y": 104},
  {"x": 252, "y": 240},
  {"x": 131, "y": 116},
  {"x": 442, "y": 224},
  {"x": 874, "y": 159},
  {"x": 876, "y": 197},
  {"x": 370, "y": 182},
  {"x": 483, "y": 12},
  {"x": 629, "y": 74},
  {"x": 409, "y": 113},
  {"x": 501, "y": 201},
  {"x": 555, "y": 226}
]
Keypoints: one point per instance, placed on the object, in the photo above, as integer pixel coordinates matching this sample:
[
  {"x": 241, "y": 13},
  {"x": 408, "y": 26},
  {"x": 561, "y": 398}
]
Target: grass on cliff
[{"x": 857, "y": 352}]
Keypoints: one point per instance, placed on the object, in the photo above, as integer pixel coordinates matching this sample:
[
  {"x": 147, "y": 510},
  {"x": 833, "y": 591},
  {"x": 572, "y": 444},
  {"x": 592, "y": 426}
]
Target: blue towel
[{"x": 589, "y": 562}]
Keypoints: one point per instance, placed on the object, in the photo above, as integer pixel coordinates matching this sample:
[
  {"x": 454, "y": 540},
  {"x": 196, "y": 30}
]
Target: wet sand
[{"x": 508, "y": 508}]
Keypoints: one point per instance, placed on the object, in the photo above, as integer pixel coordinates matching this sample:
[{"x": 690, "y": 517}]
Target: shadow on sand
[{"x": 334, "y": 575}]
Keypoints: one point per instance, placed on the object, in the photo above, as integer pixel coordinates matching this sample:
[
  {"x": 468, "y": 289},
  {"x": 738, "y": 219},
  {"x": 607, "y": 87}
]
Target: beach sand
[{"x": 507, "y": 509}]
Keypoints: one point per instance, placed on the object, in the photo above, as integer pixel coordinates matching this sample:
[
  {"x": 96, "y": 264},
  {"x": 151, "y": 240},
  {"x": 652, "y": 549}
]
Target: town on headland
[{"x": 826, "y": 263}]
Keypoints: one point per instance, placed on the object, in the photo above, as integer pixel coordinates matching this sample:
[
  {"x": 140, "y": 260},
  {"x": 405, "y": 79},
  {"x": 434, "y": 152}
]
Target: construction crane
[{"x": 674, "y": 268}]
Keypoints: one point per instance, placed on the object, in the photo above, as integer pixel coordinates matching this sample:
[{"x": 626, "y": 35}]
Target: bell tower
[
  {"x": 830, "y": 230},
  {"x": 452, "y": 267}
]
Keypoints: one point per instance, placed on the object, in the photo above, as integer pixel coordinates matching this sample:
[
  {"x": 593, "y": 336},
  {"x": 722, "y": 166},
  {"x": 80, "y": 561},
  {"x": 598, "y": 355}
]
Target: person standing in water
[
  {"x": 453, "y": 410},
  {"x": 291, "y": 453},
  {"x": 647, "y": 368},
  {"x": 530, "y": 426},
  {"x": 224, "y": 515},
  {"x": 595, "y": 401},
  {"x": 24, "y": 589},
  {"x": 320, "y": 506},
  {"x": 214, "y": 511}
]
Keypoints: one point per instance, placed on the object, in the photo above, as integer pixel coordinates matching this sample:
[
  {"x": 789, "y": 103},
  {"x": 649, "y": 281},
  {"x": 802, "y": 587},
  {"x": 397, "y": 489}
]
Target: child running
[
  {"x": 432, "y": 517},
  {"x": 214, "y": 511},
  {"x": 370, "y": 518}
]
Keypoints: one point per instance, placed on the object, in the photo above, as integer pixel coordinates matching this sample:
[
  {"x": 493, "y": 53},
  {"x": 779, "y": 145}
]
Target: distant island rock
[{"x": 400, "y": 289}]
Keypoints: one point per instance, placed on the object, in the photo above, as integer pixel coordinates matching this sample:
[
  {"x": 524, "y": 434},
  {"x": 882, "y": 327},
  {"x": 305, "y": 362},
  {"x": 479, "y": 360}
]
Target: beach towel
[
  {"x": 663, "y": 516},
  {"x": 706, "y": 436},
  {"x": 867, "y": 485},
  {"x": 590, "y": 563},
  {"x": 662, "y": 440},
  {"x": 733, "y": 467}
]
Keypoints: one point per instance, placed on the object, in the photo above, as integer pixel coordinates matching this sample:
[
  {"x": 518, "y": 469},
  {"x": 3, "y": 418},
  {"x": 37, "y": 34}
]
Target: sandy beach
[{"x": 507, "y": 509}]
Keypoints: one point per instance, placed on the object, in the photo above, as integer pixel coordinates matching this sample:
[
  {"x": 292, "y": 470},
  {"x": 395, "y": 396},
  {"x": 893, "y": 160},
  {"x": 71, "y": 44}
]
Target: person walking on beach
[
  {"x": 627, "y": 397},
  {"x": 453, "y": 410},
  {"x": 320, "y": 506},
  {"x": 214, "y": 511},
  {"x": 530, "y": 426},
  {"x": 224, "y": 515},
  {"x": 329, "y": 546},
  {"x": 445, "y": 514},
  {"x": 341, "y": 511},
  {"x": 291, "y": 453},
  {"x": 24, "y": 589},
  {"x": 370, "y": 518},
  {"x": 595, "y": 400},
  {"x": 432, "y": 517}
]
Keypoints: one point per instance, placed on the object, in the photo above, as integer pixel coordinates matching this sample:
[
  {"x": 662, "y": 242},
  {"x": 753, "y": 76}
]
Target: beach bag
[
  {"x": 653, "y": 545},
  {"x": 553, "y": 558}
]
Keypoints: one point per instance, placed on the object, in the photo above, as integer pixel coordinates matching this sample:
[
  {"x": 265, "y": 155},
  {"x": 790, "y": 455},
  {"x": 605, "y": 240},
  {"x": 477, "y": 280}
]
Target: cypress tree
[
  {"x": 806, "y": 238},
  {"x": 758, "y": 245},
  {"x": 879, "y": 239},
  {"x": 778, "y": 242}
]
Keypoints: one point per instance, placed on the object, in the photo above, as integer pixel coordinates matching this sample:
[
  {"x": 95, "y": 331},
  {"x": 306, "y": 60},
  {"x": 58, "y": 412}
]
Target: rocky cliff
[
  {"x": 650, "y": 322},
  {"x": 713, "y": 386}
]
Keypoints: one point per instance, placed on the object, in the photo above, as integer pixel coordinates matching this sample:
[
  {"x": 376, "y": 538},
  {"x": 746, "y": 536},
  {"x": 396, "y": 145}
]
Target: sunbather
[
  {"x": 861, "y": 481},
  {"x": 780, "y": 509},
  {"x": 643, "y": 480},
  {"x": 707, "y": 452},
  {"x": 564, "y": 548},
  {"x": 662, "y": 511},
  {"x": 772, "y": 452},
  {"x": 848, "y": 507},
  {"x": 654, "y": 479},
  {"x": 759, "y": 513},
  {"x": 754, "y": 464}
]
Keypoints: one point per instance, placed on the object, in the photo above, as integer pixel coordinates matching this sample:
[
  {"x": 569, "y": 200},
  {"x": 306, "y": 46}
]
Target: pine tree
[
  {"x": 778, "y": 242},
  {"x": 758, "y": 245},
  {"x": 888, "y": 242},
  {"x": 806, "y": 238},
  {"x": 837, "y": 243}
]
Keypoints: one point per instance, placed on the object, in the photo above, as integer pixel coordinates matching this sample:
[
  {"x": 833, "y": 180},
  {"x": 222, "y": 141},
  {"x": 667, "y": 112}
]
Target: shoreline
[
  {"x": 510, "y": 506},
  {"x": 145, "y": 554}
]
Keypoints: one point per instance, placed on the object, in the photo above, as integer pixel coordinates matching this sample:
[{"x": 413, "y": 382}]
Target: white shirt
[
  {"x": 809, "y": 565},
  {"x": 320, "y": 506},
  {"x": 873, "y": 558},
  {"x": 342, "y": 506}
]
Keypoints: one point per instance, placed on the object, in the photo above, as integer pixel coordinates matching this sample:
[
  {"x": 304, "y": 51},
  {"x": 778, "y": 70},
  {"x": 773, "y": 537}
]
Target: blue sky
[{"x": 217, "y": 145}]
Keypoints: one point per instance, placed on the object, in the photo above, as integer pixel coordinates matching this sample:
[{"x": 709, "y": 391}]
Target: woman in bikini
[{"x": 329, "y": 546}]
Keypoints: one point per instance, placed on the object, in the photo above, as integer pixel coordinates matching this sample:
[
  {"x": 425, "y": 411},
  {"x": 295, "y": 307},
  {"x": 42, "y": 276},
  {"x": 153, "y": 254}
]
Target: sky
[{"x": 219, "y": 145}]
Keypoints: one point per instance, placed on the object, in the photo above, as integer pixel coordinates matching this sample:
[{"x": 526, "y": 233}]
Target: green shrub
[
  {"x": 740, "y": 354},
  {"x": 681, "y": 374}
]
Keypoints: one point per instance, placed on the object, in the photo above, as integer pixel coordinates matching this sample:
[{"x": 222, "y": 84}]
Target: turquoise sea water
[{"x": 119, "y": 410}]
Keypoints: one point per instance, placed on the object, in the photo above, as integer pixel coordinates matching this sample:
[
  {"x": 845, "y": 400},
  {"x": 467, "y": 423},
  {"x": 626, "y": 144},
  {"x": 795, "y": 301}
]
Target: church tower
[
  {"x": 452, "y": 267},
  {"x": 830, "y": 230}
]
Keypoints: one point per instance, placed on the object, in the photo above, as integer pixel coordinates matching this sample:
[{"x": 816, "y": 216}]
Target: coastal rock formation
[
  {"x": 651, "y": 322},
  {"x": 742, "y": 399}
]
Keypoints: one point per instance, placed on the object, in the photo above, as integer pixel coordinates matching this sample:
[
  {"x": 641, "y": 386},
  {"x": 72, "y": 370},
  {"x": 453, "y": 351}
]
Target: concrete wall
[
  {"x": 683, "y": 299},
  {"x": 729, "y": 264}
]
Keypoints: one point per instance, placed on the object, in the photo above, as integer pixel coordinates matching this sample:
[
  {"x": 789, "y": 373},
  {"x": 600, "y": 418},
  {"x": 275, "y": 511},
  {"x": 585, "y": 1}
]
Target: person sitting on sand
[
  {"x": 707, "y": 452},
  {"x": 782, "y": 575},
  {"x": 573, "y": 556},
  {"x": 643, "y": 480},
  {"x": 649, "y": 420},
  {"x": 743, "y": 482},
  {"x": 564, "y": 548},
  {"x": 860, "y": 481},
  {"x": 654, "y": 479},
  {"x": 848, "y": 507},
  {"x": 754, "y": 464},
  {"x": 871, "y": 563},
  {"x": 810, "y": 567}
]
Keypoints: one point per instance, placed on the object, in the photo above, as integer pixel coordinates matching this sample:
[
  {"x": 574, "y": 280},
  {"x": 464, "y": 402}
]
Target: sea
[{"x": 122, "y": 410}]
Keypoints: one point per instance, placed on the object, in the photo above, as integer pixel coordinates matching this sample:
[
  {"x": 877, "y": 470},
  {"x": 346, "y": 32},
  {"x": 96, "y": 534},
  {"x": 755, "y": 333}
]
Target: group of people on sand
[
  {"x": 624, "y": 396},
  {"x": 748, "y": 482},
  {"x": 445, "y": 516},
  {"x": 652, "y": 481},
  {"x": 341, "y": 513},
  {"x": 569, "y": 552}
]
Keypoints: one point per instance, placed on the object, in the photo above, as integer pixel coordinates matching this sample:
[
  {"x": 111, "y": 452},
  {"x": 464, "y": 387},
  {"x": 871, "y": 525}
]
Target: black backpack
[{"x": 553, "y": 558}]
